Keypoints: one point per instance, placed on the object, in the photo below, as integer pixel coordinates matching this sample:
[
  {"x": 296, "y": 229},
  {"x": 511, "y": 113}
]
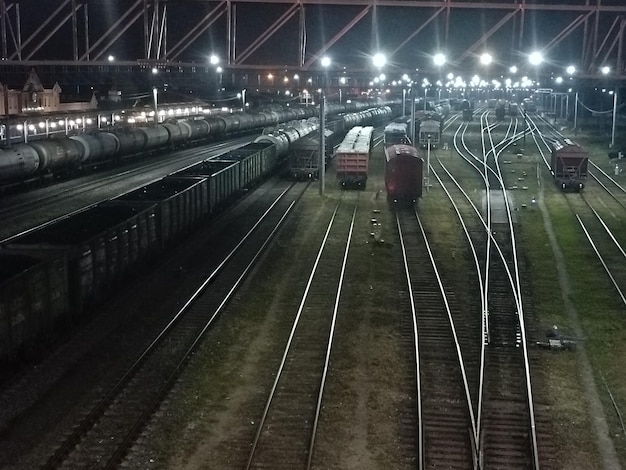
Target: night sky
[{"x": 323, "y": 22}]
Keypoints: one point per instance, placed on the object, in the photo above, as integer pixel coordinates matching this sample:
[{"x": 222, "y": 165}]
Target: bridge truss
[{"x": 294, "y": 34}]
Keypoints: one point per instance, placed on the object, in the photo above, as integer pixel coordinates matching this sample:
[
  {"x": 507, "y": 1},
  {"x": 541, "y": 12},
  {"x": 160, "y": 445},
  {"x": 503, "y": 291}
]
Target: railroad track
[
  {"x": 286, "y": 431},
  {"x": 610, "y": 187},
  {"x": 505, "y": 418},
  {"x": 106, "y": 431},
  {"x": 445, "y": 420},
  {"x": 506, "y": 439},
  {"x": 605, "y": 242}
]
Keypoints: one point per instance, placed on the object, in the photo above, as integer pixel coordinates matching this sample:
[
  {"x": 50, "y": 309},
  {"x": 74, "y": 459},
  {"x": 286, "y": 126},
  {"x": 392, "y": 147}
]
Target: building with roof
[{"x": 34, "y": 98}]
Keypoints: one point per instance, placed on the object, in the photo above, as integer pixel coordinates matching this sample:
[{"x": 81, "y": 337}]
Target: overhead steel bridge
[{"x": 254, "y": 36}]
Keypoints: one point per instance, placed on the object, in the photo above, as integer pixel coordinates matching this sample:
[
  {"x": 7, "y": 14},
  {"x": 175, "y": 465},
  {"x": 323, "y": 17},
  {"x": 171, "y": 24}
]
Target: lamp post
[
  {"x": 156, "y": 108},
  {"x": 428, "y": 165},
  {"x": 614, "y": 118},
  {"x": 439, "y": 60},
  {"x": 576, "y": 114},
  {"x": 412, "y": 116},
  {"x": 404, "y": 101},
  {"x": 322, "y": 157}
]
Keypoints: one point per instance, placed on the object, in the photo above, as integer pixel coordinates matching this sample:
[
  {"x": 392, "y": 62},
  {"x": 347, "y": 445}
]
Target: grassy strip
[{"x": 598, "y": 313}]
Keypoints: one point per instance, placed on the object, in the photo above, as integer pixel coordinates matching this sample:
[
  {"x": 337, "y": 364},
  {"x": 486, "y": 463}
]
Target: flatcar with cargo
[{"x": 352, "y": 157}]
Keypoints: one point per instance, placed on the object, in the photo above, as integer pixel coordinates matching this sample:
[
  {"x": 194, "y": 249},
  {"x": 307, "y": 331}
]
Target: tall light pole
[
  {"x": 439, "y": 60},
  {"x": 322, "y": 157},
  {"x": 214, "y": 60},
  {"x": 412, "y": 116},
  {"x": 242, "y": 96},
  {"x": 156, "y": 110},
  {"x": 576, "y": 114},
  {"x": 614, "y": 118},
  {"x": 403, "y": 101},
  {"x": 379, "y": 60}
]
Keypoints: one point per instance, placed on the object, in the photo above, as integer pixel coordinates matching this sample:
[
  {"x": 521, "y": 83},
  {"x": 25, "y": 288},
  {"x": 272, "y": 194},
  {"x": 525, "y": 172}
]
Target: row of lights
[
  {"x": 379, "y": 60},
  {"x": 71, "y": 123},
  {"x": 439, "y": 59}
]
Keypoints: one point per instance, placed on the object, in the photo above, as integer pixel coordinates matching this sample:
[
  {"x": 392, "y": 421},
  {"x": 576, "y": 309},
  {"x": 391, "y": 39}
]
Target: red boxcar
[{"x": 403, "y": 172}]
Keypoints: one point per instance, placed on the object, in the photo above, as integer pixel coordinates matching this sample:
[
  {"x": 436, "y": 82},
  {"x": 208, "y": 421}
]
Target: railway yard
[{"x": 477, "y": 328}]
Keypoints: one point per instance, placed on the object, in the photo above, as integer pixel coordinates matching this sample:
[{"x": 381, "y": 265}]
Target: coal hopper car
[{"x": 569, "y": 163}]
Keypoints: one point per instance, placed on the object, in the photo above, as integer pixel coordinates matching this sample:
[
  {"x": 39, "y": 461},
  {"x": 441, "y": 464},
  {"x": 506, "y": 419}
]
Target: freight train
[
  {"x": 403, "y": 173},
  {"x": 396, "y": 133},
  {"x": 49, "y": 278},
  {"x": 61, "y": 156},
  {"x": 429, "y": 133},
  {"x": 304, "y": 154},
  {"x": 569, "y": 162},
  {"x": 353, "y": 155}
]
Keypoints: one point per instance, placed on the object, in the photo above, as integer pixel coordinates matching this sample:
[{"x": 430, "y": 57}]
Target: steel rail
[
  {"x": 420, "y": 420},
  {"x": 290, "y": 339},
  {"x": 169, "y": 382},
  {"x": 453, "y": 330},
  {"x": 514, "y": 283},
  {"x": 99, "y": 409},
  {"x": 331, "y": 335},
  {"x": 520, "y": 313},
  {"x": 483, "y": 300},
  {"x": 601, "y": 259}
]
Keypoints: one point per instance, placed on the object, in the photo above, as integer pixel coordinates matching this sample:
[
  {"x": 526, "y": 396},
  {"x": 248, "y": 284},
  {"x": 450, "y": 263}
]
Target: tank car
[
  {"x": 55, "y": 154},
  {"x": 26, "y": 162},
  {"x": 132, "y": 141},
  {"x": 19, "y": 161},
  {"x": 93, "y": 151},
  {"x": 403, "y": 173},
  {"x": 283, "y": 136},
  {"x": 175, "y": 131},
  {"x": 156, "y": 137},
  {"x": 569, "y": 164},
  {"x": 201, "y": 128}
]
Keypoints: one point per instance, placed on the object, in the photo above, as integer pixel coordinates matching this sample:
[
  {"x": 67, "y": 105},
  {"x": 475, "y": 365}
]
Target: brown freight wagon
[{"x": 569, "y": 165}]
